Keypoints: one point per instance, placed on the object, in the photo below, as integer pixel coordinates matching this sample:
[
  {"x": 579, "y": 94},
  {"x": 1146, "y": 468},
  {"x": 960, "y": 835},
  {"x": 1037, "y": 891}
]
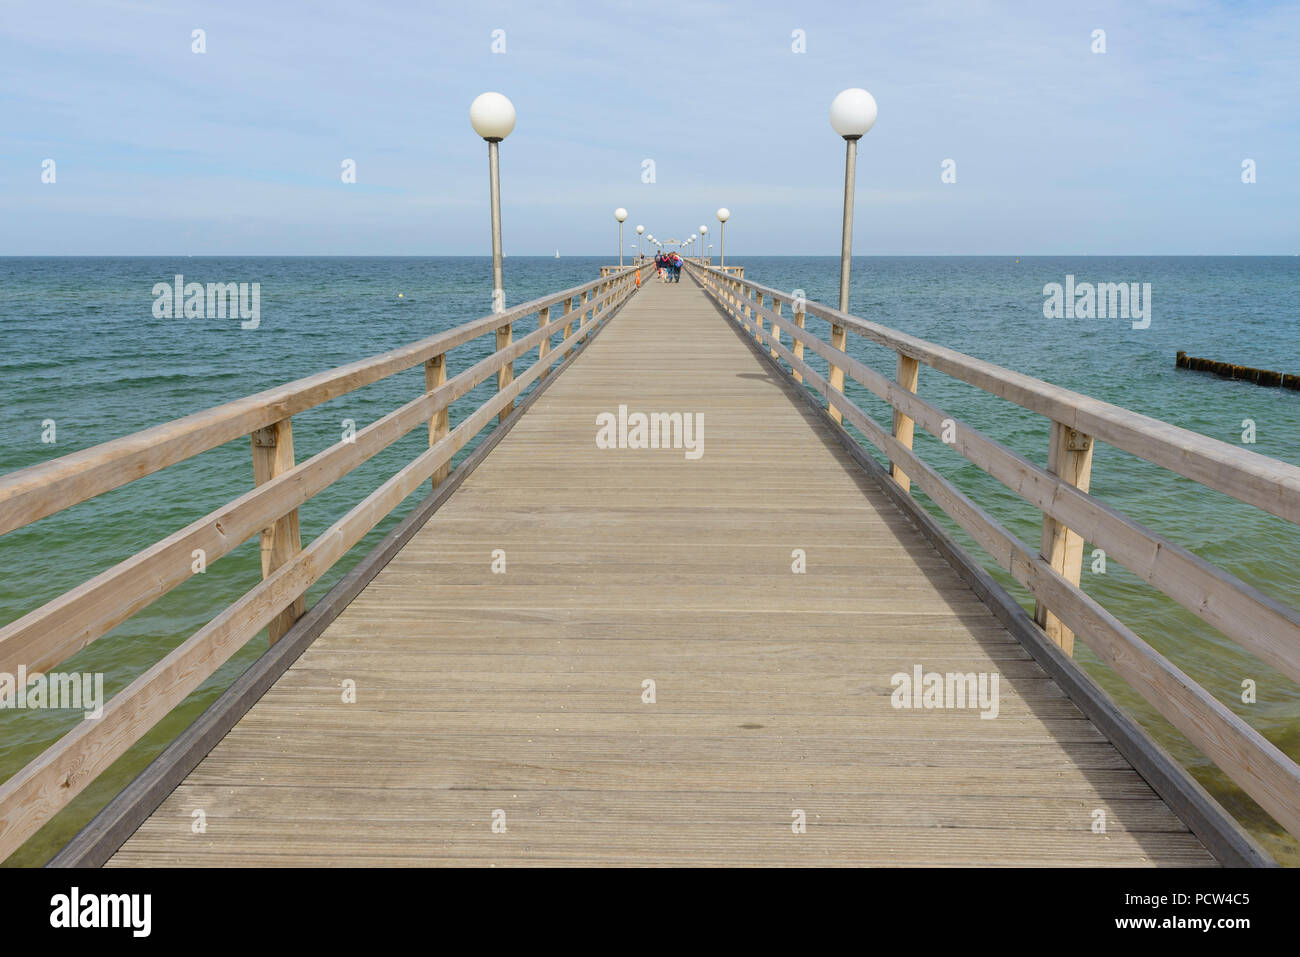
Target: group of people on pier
[{"x": 669, "y": 266}]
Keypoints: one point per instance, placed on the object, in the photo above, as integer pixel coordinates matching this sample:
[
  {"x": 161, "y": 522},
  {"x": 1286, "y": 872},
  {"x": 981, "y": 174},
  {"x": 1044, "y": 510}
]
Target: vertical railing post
[
  {"x": 435, "y": 375},
  {"x": 543, "y": 319},
  {"x": 904, "y": 427},
  {"x": 776, "y": 330},
  {"x": 568, "y": 322},
  {"x": 839, "y": 340},
  {"x": 273, "y": 456},
  {"x": 582, "y": 310},
  {"x": 1069, "y": 458},
  {"x": 799, "y": 318},
  {"x": 758, "y": 316},
  {"x": 506, "y": 374},
  {"x": 597, "y": 305}
]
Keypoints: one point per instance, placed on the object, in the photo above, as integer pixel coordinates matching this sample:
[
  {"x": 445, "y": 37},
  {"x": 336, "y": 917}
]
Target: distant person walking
[{"x": 676, "y": 265}]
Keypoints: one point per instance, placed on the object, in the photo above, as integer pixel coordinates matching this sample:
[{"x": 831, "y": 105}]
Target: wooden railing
[
  {"x": 58, "y": 629},
  {"x": 1257, "y": 622}
]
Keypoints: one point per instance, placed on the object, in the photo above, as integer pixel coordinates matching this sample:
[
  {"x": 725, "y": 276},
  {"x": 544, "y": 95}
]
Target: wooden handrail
[
  {"x": 51, "y": 633},
  {"x": 32, "y": 493},
  {"x": 1259, "y": 623},
  {"x": 1256, "y": 621},
  {"x": 48, "y": 635},
  {"x": 1244, "y": 475}
]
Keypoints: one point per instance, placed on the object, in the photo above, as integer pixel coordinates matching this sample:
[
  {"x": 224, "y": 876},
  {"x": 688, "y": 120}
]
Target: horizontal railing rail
[
  {"x": 39, "y": 490},
  {"x": 58, "y": 629},
  {"x": 1259, "y": 623}
]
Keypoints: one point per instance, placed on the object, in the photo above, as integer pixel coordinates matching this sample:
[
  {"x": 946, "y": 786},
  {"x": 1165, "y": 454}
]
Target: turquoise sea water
[{"x": 79, "y": 344}]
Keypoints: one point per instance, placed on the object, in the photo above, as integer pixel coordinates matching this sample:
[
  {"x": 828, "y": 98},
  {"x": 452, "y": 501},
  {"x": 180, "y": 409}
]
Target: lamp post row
[{"x": 852, "y": 114}]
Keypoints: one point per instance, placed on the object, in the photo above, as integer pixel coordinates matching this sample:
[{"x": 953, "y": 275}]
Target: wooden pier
[{"x": 571, "y": 654}]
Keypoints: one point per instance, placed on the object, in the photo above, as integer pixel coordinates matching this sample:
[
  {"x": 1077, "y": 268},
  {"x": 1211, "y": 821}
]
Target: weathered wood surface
[
  {"x": 1261, "y": 624},
  {"x": 39, "y": 490},
  {"x": 522, "y": 692},
  {"x": 60, "y": 772},
  {"x": 1253, "y": 762},
  {"x": 1247, "y": 476}
]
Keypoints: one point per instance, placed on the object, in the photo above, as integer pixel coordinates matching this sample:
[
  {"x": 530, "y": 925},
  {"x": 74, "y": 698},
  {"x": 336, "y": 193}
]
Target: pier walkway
[
  {"x": 749, "y": 645},
  {"x": 481, "y": 692}
]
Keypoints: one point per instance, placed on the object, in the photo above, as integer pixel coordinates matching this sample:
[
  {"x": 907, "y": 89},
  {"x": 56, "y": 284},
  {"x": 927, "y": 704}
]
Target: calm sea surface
[{"x": 79, "y": 345}]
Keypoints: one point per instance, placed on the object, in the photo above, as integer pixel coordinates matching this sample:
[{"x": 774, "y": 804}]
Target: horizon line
[{"x": 488, "y": 256}]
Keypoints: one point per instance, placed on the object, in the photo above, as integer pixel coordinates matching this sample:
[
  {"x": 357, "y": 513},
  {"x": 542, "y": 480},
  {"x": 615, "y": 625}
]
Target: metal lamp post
[
  {"x": 621, "y": 215},
  {"x": 639, "y": 231},
  {"x": 724, "y": 214},
  {"x": 853, "y": 113},
  {"x": 493, "y": 117},
  {"x": 704, "y": 231}
]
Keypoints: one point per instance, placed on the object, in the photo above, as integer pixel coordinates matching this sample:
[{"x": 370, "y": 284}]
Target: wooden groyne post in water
[{"x": 1226, "y": 370}]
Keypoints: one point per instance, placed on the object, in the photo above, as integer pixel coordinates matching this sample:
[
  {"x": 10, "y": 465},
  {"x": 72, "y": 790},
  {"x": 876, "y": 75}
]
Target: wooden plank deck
[{"x": 522, "y": 692}]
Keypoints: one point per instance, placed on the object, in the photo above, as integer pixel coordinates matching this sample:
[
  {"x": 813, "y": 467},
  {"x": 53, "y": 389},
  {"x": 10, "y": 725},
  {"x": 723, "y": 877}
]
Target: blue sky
[{"x": 1058, "y": 150}]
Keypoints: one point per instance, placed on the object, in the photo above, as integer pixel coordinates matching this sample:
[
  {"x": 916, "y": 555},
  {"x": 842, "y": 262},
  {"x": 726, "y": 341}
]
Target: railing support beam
[
  {"x": 908, "y": 373},
  {"x": 273, "y": 456},
  {"x": 435, "y": 375},
  {"x": 506, "y": 374},
  {"x": 839, "y": 341},
  {"x": 1069, "y": 458},
  {"x": 582, "y": 312},
  {"x": 543, "y": 318},
  {"x": 799, "y": 318}
]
